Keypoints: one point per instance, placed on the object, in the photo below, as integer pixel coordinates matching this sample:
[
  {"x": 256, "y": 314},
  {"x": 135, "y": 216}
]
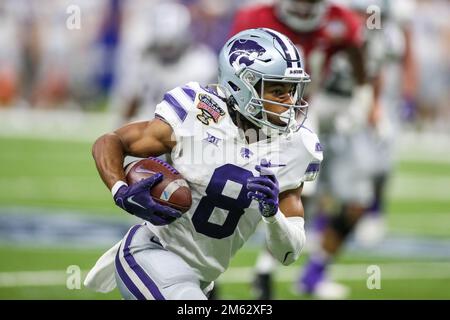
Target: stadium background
[{"x": 56, "y": 85}]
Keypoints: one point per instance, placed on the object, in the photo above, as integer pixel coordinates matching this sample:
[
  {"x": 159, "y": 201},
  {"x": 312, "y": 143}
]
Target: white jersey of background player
[
  {"x": 393, "y": 65},
  {"x": 158, "y": 54},
  {"x": 217, "y": 158},
  {"x": 364, "y": 141},
  {"x": 352, "y": 139}
]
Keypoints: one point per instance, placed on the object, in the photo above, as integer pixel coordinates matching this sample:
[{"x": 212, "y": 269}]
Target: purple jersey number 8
[{"x": 215, "y": 199}]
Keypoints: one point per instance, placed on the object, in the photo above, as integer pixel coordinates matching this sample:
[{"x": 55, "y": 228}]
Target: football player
[
  {"x": 358, "y": 157},
  {"x": 243, "y": 149},
  {"x": 166, "y": 58},
  {"x": 391, "y": 46},
  {"x": 321, "y": 30}
]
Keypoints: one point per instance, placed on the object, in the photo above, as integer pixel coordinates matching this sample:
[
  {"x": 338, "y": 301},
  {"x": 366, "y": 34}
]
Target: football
[{"x": 172, "y": 190}]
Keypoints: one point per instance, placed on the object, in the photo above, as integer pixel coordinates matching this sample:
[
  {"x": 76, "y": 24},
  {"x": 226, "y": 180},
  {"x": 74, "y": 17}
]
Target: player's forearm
[
  {"x": 357, "y": 60},
  {"x": 285, "y": 237},
  {"x": 409, "y": 68},
  {"x": 108, "y": 153}
]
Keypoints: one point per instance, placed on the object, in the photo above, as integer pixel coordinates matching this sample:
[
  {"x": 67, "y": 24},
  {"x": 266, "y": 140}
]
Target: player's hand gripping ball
[{"x": 156, "y": 193}]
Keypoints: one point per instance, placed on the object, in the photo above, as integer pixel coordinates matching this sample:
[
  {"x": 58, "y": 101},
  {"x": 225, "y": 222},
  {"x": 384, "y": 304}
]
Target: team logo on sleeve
[
  {"x": 318, "y": 147},
  {"x": 209, "y": 110}
]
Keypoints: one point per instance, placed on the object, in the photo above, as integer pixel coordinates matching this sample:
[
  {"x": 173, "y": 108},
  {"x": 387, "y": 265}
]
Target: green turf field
[{"x": 55, "y": 175}]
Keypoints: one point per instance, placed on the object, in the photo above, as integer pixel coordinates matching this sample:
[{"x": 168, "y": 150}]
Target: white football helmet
[
  {"x": 171, "y": 36},
  {"x": 301, "y": 15},
  {"x": 258, "y": 56}
]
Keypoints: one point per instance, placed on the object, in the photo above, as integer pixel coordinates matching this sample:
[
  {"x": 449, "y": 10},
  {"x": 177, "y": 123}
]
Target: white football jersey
[{"x": 216, "y": 161}]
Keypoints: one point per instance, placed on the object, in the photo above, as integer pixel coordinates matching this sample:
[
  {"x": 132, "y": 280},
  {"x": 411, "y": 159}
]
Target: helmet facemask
[{"x": 291, "y": 119}]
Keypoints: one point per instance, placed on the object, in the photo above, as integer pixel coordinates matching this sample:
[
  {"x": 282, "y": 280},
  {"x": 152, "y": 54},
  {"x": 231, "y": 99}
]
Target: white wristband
[{"x": 117, "y": 186}]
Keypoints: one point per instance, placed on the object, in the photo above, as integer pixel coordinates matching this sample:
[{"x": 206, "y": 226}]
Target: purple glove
[
  {"x": 408, "y": 111},
  {"x": 264, "y": 189},
  {"x": 136, "y": 199}
]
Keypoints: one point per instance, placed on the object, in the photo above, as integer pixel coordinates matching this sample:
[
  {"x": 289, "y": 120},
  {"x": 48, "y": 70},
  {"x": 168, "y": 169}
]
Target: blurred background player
[
  {"x": 359, "y": 157},
  {"x": 321, "y": 29},
  {"x": 35, "y": 44},
  {"x": 157, "y": 55},
  {"x": 10, "y": 55},
  {"x": 393, "y": 66},
  {"x": 431, "y": 43}
]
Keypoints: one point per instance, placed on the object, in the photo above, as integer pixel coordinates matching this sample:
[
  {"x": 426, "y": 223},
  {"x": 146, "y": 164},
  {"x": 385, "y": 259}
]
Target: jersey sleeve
[
  {"x": 315, "y": 155},
  {"x": 177, "y": 109},
  {"x": 315, "y": 159},
  {"x": 302, "y": 161}
]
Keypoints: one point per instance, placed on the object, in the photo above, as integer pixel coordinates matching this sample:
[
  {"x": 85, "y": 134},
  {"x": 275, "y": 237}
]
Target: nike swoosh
[
  {"x": 286, "y": 255},
  {"x": 143, "y": 170},
  {"x": 276, "y": 165},
  {"x": 130, "y": 200},
  {"x": 271, "y": 170},
  {"x": 153, "y": 239}
]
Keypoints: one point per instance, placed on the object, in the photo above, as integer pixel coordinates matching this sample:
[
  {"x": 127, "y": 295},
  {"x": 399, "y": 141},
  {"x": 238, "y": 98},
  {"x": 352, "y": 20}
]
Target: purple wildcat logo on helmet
[{"x": 245, "y": 52}]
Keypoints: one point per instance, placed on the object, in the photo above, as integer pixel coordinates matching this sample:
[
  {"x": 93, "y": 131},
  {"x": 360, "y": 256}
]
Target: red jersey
[{"x": 339, "y": 29}]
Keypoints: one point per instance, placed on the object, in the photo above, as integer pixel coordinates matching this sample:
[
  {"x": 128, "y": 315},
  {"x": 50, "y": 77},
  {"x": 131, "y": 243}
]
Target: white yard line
[
  {"x": 353, "y": 272},
  {"x": 32, "y": 278},
  {"x": 348, "y": 272},
  {"x": 410, "y": 186}
]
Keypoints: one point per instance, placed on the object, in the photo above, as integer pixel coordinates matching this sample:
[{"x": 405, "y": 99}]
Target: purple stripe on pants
[
  {"x": 126, "y": 280},
  {"x": 143, "y": 276}
]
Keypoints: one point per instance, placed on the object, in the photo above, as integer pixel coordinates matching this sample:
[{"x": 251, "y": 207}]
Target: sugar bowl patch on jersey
[{"x": 209, "y": 109}]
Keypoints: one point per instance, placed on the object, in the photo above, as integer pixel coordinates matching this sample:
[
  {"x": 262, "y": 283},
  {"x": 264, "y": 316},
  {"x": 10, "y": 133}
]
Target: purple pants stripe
[
  {"x": 143, "y": 276},
  {"x": 126, "y": 279}
]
